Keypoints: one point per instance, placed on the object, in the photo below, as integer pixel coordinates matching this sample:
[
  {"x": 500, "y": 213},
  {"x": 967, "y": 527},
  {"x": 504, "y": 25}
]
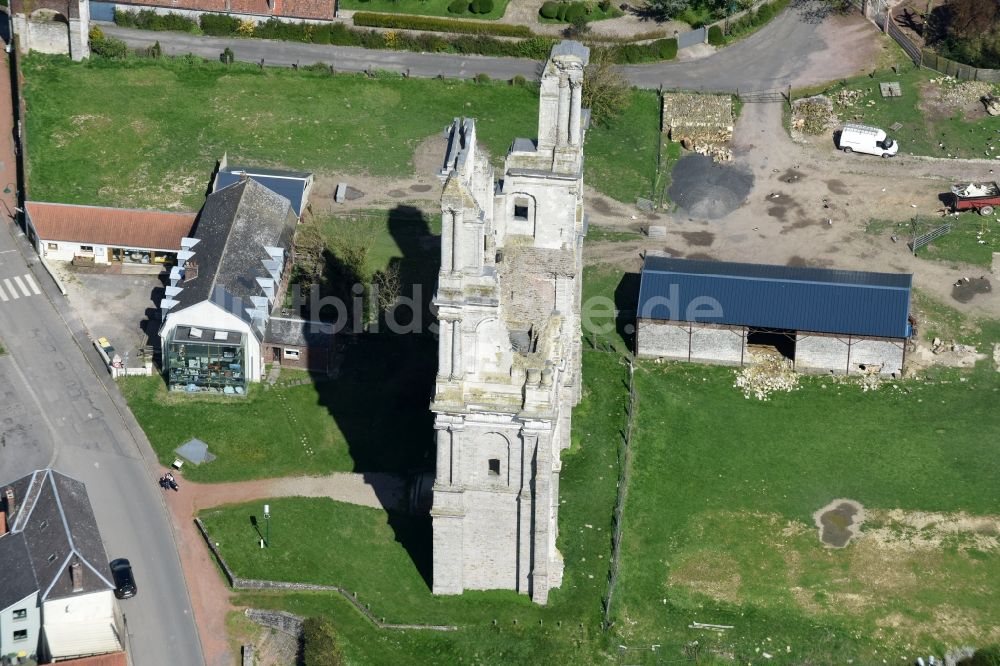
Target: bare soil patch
[{"x": 966, "y": 289}]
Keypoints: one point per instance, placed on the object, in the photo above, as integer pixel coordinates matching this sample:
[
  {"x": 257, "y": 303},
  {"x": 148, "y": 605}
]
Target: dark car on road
[{"x": 124, "y": 580}]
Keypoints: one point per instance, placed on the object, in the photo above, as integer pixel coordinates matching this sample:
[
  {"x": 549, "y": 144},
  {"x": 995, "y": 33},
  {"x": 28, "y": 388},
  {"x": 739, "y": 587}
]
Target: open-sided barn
[{"x": 820, "y": 319}]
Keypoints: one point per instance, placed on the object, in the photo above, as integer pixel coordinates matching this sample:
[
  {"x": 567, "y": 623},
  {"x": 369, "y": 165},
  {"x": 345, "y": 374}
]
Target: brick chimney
[{"x": 76, "y": 575}]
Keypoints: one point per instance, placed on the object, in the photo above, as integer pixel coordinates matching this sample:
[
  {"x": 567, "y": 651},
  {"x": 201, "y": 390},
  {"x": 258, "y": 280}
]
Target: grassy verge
[
  {"x": 495, "y": 627},
  {"x": 311, "y": 429},
  {"x": 720, "y": 530},
  {"x": 100, "y": 136},
  {"x": 421, "y": 7}
]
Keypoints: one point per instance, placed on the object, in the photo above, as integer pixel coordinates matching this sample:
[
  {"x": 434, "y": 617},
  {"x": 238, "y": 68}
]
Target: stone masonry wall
[
  {"x": 885, "y": 353},
  {"x": 717, "y": 345},
  {"x": 819, "y": 353},
  {"x": 662, "y": 340}
]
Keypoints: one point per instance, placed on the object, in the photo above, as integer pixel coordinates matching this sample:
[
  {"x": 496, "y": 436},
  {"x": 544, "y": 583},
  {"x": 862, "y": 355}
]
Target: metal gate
[
  {"x": 763, "y": 96},
  {"x": 699, "y": 36}
]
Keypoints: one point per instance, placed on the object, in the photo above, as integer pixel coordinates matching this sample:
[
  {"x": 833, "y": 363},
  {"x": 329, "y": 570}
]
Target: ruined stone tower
[{"x": 508, "y": 305}]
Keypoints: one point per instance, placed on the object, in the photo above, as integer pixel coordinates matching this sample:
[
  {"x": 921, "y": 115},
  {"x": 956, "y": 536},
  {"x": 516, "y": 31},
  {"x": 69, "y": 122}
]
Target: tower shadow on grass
[{"x": 380, "y": 399}]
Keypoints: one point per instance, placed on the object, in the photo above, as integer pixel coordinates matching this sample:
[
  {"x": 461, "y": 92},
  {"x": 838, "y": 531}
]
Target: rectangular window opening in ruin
[
  {"x": 494, "y": 467},
  {"x": 521, "y": 209}
]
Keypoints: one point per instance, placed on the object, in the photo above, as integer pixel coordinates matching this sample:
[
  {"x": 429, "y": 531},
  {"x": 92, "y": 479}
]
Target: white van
[{"x": 865, "y": 139}]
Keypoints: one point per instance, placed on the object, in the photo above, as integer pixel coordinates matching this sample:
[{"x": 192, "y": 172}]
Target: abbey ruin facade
[{"x": 508, "y": 307}]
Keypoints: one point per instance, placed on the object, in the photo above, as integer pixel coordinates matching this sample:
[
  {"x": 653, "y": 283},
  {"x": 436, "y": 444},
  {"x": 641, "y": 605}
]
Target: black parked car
[{"x": 124, "y": 580}]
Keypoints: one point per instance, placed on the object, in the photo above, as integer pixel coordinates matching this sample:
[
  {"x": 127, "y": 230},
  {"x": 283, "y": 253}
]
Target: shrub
[
  {"x": 458, "y": 6},
  {"x": 604, "y": 6},
  {"x": 109, "y": 47},
  {"x": 319, "y": 643},
  {"x": 765, "y": 13},
  {"x": 715, "y": 36},
  {"x": 549, "y": 9},
  {"x": 482, "y": 77},
  {"x": 411, "y": 22},
  {"x": 518, "y": 80},
  {"x": 219, "y": 25},
  {"x": 147, "y": 19},
  {"x": 575, "y": 12},
  {"x": 226, "y": 56},
  {"x": 563, "y": 8},
  {"x": 481, "y": 6},
  {"x": 666, "y": 49}
]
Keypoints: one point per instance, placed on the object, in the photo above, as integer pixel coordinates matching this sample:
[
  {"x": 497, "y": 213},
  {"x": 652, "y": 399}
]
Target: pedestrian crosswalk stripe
[
  {"x": 31, "y": 283},
  {"x": 3, "y": 296},
  {"x": 10, "y": 288},
  {"x": 24, "y": 289}
]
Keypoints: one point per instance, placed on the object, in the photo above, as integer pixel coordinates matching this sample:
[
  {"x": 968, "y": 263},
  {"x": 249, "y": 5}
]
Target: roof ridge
[{"x": 30, "y": 500}]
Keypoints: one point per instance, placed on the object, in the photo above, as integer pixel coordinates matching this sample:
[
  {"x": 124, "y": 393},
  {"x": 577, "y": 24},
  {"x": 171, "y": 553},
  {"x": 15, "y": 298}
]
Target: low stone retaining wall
[{"x": 253, "y": 584}]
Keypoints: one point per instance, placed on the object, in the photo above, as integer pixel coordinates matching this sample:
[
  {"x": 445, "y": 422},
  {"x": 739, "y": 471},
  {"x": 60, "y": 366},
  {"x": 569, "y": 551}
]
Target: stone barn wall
[
  {"x": 658, "y": 339},
  {"x": 815, "y": 352},
  {"x": 682, "y": 341},
  {"x": 723, "y": 345},
  {"x": 885, "y": 352}
]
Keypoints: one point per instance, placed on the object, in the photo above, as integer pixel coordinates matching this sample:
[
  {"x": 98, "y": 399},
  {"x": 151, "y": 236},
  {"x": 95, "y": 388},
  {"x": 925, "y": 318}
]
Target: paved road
[
  {"x": 57, "y": 410},
  {"x": 773, "y": 57}
]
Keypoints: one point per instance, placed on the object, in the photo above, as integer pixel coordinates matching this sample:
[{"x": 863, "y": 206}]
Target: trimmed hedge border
[
  {"x": 434, "y": 24},
  {"x": 338, "y": 34}
]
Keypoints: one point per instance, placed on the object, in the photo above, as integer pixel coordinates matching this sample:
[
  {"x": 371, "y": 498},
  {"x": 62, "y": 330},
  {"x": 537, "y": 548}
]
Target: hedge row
[
  {"x": 147, "y": 19},
  {"x": 433, "y": 24},
  {"x": 661, "y": 49},
  {"x": 535, "y": 48}
]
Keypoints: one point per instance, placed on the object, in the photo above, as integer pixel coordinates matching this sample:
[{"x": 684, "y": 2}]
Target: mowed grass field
[
  {"x": 147, "y": 134},
  {"x": 718, "y": 529},
  {"x": 719, "y": 525}
]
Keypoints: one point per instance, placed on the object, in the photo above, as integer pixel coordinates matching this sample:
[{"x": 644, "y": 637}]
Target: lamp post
[{"x": 267, "y": 525}]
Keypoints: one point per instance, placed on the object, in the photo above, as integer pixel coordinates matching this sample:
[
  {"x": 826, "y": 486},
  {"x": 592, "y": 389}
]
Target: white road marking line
[
  {"x": 10, "y": 288},
  {"x": 20, "y": 284},
  {"x": 31, "y": 283},
  {"x": 3, "y": 296}
]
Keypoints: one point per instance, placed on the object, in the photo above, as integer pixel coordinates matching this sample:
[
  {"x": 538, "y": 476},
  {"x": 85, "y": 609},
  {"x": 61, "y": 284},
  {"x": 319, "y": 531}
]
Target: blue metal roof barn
[{"x": 776, "y": 297}]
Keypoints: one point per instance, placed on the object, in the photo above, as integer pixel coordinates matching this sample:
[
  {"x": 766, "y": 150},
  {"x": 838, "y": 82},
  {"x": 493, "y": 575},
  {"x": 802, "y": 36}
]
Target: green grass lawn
[
  {"x": 146, "y": 134},
  {"x": 972, "y": 240},
  {"x": 938, "y": 132},
  {"x": 323, "y": 541},
  {"x": 423, "y": 7},
  {"x": 719, "y": 526},
  {"x": 335, "y": 425},
  {"x": 621, "y": 159}
]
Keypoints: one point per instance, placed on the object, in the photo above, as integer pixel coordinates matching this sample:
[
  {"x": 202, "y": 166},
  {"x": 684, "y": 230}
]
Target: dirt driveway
[{"x": 808, "y": 207}]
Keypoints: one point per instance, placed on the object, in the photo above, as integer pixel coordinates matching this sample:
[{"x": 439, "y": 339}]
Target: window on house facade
[
  {"x": 20, "y": 614},
  {"x": 53, "y": 246},
  {"x": 494, "y": 467},
  {"x": 86, "y": 248},
  {"x": 521, "y": 209},
  {"x": 292, "y": 354},
  {"x": 21, "y": 635}
]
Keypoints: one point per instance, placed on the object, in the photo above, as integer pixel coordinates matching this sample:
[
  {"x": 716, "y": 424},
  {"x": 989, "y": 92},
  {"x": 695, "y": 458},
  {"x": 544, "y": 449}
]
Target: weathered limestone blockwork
[
  {"x": 53, "y": 26},
  {"x": 886, "y": 354},
  {"x": 508, "y": 304},
  {"x": 722, "y": 345},
  {"x": 663, "y": 340},
  {"x": 821, "y": 353}
]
